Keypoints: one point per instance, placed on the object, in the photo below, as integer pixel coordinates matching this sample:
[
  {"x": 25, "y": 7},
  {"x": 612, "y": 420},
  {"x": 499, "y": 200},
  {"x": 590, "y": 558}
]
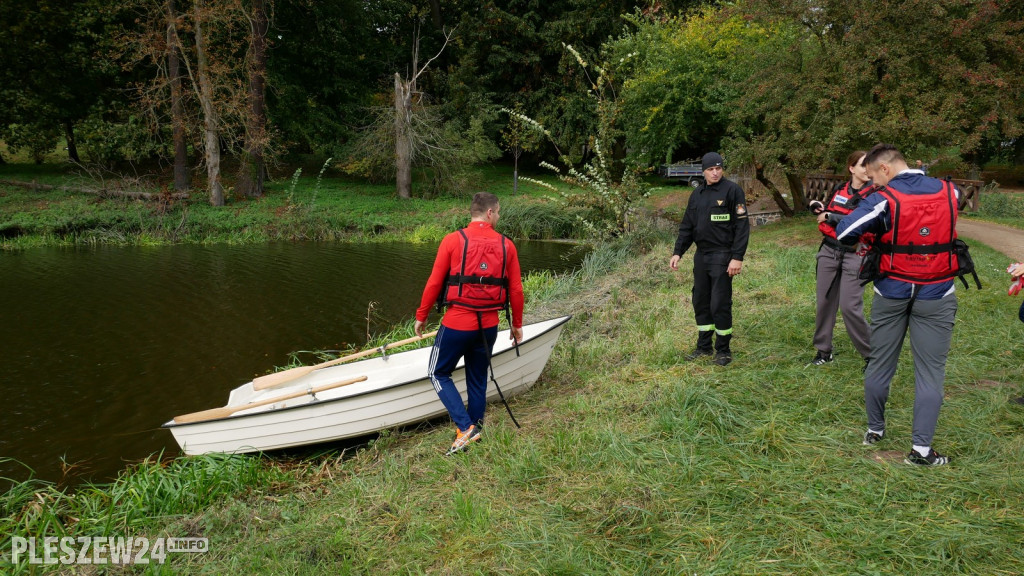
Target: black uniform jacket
[{"x": 716, "y": 220}]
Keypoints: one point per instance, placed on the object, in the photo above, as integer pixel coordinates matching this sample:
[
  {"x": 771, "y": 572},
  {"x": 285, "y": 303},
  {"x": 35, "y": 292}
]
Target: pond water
[{"x": 100, "y": 346}]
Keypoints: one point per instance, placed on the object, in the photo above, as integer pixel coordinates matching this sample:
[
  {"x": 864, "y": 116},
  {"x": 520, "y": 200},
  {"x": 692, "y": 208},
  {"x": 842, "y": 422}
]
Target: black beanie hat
[{"x": 710, "y": 160}]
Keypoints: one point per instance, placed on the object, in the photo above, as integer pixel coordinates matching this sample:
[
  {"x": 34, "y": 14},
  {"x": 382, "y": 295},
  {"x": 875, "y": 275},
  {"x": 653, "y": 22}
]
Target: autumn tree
[
  {"x": 204, "y": 80},
  {"x": 178, "y": 120},
  {"x": 252, "y": 170},
  {"x": 839, "y": 75}
]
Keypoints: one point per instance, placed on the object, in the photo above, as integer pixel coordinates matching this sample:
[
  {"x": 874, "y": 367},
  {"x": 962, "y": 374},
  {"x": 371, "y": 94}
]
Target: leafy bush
[
  {"x": 107, "y": 143},
  {"x": 37, "y": 139},
  {"x": 607, "y": 190},
  {"x": 1001, "y": 205}
]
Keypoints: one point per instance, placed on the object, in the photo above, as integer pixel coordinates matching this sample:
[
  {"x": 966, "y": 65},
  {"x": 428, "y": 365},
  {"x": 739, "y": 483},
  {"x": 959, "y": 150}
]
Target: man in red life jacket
[
  {"x": 838, "y": 269},
  {"x": 914, "y": 217},
  {"x": 476, "y": 274}
]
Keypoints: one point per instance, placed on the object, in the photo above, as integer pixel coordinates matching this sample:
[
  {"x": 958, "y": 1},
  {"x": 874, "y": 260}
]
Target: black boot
[
  {"x": 722, "y": 353},
  {"x": 703, "y": 345}
]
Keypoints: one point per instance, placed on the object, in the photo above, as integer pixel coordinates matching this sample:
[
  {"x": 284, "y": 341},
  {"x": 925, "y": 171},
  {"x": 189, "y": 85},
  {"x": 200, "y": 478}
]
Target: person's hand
[
  {"x": 516, "y": 334},
  {"x": 1017, "y": 273},
  {"x": 418, "y": 328},
  {"x": 734, "y": 267},
  {"x": 673, "y": 262},
  {"x": 822, "y": 216},
  {"x": 816, "y": 207}
]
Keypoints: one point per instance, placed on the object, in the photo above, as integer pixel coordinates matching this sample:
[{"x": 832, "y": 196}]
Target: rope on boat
[{"x": 490, "y": 365}]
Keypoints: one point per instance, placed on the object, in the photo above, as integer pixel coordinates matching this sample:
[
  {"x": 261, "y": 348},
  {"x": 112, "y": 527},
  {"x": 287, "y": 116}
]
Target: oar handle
[
  {"x": 278, "y": 378},
  {"x": 224, "y": 412}
]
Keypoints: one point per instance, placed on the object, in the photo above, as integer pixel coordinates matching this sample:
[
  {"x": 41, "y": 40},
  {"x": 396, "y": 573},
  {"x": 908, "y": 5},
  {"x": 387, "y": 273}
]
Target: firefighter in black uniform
[{"x": 716, "y": 220}]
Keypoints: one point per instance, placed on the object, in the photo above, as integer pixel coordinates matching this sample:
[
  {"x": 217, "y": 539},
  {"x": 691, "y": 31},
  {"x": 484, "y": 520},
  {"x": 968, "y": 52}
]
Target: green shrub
[
  {"x": 538, "y": 221},
  {"x": 1001, "y": 205}
]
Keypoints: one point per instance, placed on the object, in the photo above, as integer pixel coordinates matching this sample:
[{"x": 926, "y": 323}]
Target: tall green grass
[
  {"x": 1002, "y": 207},
  {"x": 633, "y": 461},
  {"x": 140, "y": 502}
]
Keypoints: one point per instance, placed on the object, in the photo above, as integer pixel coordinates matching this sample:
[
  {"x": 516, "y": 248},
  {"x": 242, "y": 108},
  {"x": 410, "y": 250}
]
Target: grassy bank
[
  {"x": 307, "y": 205},
  {"x": 631, "y": 461}
]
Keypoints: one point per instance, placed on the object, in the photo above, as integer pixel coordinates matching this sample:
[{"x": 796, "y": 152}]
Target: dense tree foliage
[
  {"x": 327, "y": 60},
  {"x": 513, "y": 52},
  {"x": 50, "y": 76},
  {"x": 680, "y": 77},
  {"x": 792, "y": 84},
  {"x": 940, "y": 78}
]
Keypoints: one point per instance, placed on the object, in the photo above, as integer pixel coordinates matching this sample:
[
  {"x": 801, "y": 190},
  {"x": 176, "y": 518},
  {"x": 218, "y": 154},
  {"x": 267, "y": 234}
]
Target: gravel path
[{"x": 1009, "y": 241}]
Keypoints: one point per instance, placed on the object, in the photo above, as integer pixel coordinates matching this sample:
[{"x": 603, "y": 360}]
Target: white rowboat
[{"x": 351, "y": 400}]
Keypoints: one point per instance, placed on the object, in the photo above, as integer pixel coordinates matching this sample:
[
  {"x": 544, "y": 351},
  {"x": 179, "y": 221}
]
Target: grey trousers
[
  {"x": 839, "y": 288},
  {"x": 930, "y": 323}
]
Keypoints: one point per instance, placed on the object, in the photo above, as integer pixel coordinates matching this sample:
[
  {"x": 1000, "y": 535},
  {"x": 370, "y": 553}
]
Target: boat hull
[{"x": 396, "y": 392}]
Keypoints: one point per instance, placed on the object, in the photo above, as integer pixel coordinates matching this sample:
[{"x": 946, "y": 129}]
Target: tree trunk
[
  {"x": 517, "y": 151},
  {"x": 796, "y": 186},
  {"x": 776, "y": 195},
  {"x": 181, "y": 175},
  {"x": 212, "y": 140},
  {"x": 69, "y": 134},
  {"x": 252, "y": 171},
  {"x": 403, "y": 142},
  {"x": 618, "y": 159},
  {"x": 435, "y": 14}
]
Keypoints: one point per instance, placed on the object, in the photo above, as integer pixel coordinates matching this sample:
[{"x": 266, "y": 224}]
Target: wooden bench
[{"x": 819, "y": 186}]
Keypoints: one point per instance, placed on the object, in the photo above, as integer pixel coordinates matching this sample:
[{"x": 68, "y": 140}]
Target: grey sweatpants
[
  {"x": 839, "y": 288},
  {"x": 930, "y": 323}
]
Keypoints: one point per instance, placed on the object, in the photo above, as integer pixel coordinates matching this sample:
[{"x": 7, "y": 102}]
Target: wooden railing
[
  {"x": 819, "y": 186},
  {"x": 970, "y": 193}
]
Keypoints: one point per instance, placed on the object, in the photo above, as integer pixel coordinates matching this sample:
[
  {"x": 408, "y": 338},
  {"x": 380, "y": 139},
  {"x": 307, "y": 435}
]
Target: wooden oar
[
  {"x": 226, "y": 411},
  {"x": 278, "y": 378}
]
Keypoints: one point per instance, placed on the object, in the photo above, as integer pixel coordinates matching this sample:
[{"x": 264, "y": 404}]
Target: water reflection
[{"x": 101, "y": 346}]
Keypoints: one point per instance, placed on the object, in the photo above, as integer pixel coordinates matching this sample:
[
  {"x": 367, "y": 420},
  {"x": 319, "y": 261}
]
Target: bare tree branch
[{"x": 447, "y": 38}]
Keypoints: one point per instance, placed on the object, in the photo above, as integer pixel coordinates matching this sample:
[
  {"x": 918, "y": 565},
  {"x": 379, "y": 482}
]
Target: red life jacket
[
  {"x": 918, "y": 246},
  {"x": 844, "y": 200},
  {"x": 478, "y": 278}
]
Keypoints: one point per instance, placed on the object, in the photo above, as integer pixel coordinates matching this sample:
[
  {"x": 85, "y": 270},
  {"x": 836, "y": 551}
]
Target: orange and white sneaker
[{"x": 463, "y": 439}]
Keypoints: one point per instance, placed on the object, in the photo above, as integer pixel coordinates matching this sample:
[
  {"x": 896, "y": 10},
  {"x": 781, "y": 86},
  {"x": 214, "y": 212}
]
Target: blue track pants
[{"x": 449, "y": 347}]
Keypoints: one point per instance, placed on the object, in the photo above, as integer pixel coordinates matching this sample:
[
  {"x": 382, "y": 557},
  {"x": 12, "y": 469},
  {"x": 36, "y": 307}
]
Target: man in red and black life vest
[
  {"x": 716, "y": 221},
  {"x": 476, "y": 274},
  {"x": 838, "y": 268},
  {"x": 914, "y": 218}
]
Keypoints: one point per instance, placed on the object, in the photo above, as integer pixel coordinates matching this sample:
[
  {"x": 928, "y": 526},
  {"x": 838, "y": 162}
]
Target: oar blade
[
  {"x": 211, "y": 414},
  {"x": 278, "y": 378}
]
